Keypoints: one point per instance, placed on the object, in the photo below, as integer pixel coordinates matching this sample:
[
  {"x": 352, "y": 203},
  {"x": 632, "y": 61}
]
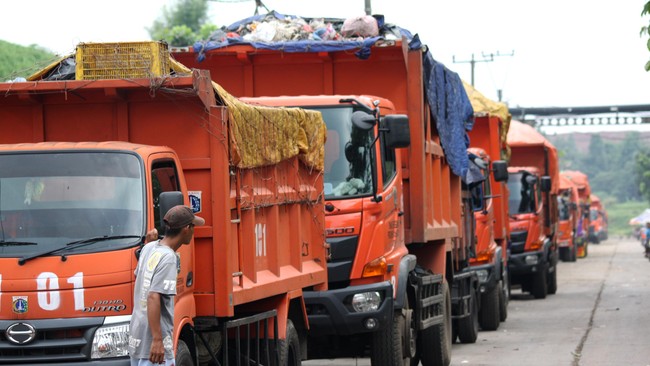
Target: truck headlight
[
  {"x": 111, "y": 341},
  {"x": 482, "y": 275},
  {"x": 366, "y": 301},
  {"x": 531, "y": 259}
]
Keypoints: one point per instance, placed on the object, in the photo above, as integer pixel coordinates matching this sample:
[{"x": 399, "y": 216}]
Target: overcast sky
[{"x": 555, "y": 53}]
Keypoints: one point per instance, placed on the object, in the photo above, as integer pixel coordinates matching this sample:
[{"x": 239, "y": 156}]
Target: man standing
[{"x": 152, "y": 323}]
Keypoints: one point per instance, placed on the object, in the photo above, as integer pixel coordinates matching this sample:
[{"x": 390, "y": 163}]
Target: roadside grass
[{"x": 620, "y": 215}]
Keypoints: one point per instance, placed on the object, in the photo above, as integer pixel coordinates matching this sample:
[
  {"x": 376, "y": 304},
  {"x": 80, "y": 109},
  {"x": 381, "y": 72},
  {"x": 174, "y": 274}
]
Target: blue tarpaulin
[{"x": 450, "y": 106}]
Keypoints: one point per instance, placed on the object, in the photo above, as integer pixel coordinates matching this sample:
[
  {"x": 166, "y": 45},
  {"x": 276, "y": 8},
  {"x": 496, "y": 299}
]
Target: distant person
[{"x": 152, "y": 323}]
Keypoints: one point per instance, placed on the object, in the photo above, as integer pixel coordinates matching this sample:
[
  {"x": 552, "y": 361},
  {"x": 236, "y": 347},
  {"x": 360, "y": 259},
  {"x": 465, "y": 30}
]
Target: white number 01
[{"x": 49, "y": 298}]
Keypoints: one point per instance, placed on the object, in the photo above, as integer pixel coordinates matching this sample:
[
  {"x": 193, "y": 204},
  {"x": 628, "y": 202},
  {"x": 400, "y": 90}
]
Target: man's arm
[{"x": 157, "y": 353}]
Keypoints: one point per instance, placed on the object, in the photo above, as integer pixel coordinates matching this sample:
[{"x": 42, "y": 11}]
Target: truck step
[{"x": 429, "y": 299}]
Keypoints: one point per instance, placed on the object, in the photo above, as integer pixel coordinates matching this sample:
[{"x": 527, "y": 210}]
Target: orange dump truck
[
  {"x": 90, "y": 166},
  {"x": 399, "y": 223},
  {"x": 490, "y": 203},
  {"x": 598, "y": 220},
  {"x": 568, "y": 219},
  {"x": 534, "y": 183},
  {"x": 581, "y": 180}
]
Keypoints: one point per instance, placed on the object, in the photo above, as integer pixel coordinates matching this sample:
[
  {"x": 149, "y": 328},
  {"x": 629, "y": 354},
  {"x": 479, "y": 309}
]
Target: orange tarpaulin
[
  {"x": 581, "y": 180},
  {"x": 529, "y": 147}
]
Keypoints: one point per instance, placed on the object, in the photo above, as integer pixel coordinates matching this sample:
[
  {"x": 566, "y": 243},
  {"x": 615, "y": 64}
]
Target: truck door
[{"x": 165, "y": 178}]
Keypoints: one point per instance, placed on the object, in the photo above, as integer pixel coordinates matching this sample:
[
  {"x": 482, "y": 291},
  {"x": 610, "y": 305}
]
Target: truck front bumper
[
  {"x": 331, "y": 312},
  {"x": 527, "y": 263}
]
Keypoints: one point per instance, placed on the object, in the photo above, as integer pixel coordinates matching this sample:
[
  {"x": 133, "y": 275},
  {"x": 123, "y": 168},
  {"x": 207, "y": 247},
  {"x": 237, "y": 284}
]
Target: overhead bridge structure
[{"x": 583, "y": 116}]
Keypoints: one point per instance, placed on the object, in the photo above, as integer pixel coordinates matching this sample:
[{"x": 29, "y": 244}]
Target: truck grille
[
  {"x": 57, "y": 340},
  {"x": 518, "y": 241},
  {"x": 342, "y": 252}
]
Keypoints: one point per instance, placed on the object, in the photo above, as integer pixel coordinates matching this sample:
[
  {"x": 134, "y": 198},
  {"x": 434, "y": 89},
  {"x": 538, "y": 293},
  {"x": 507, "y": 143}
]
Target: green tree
[
  {"x": 643, "y": 173},
  {"x": 182, "y": 24},
  {"x": 20, "y": 61},
  {"x": 645, "y": 30}
]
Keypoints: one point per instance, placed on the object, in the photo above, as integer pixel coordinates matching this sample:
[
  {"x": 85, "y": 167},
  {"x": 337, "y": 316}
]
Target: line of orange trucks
[{"x": 358, "y": 201}]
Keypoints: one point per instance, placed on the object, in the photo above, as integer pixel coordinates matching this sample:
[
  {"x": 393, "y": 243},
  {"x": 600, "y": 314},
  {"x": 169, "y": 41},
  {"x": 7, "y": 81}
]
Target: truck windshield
[
  {"x": 50, "y": 199},
  {"x": 347, "y": 155},
  {"x": 522, "y": 194},
  {"x": 593, "y": 215},
  {"x": 563, "y": 208}
]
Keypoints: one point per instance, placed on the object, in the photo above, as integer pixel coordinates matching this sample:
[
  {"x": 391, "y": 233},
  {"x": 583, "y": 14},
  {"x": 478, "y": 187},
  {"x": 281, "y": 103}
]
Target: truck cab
[
  {"x": 67, "y": 207},
  {"x": 531, "y": 252},
  {"x": 488, "y": 261},
  {"x": 598, "y": 221},
  {"x": 568, "y": 218}
]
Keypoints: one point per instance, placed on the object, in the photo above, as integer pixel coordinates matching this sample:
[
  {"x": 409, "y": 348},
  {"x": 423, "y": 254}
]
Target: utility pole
[
  {"x": 485, "y": 58},
  {"x": 368, "y": 7}
]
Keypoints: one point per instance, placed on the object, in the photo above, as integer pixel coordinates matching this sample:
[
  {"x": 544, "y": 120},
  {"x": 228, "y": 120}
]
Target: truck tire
[
  {"x": 395, "y": 345},
  {"x": 489, "y": 317},
  {"x": 539, "y": 287},
  {"x": 183, "y": 355},
  {"x": 552, "y": 281},
  {"x": 574, "y": 254},
  {"x": 504, "y": 299},
  {"x": 565, "y": 254},
  {"x": 290, "y": 347},
  {"x": 435, "y": 341},
  {"x": 468, "y": 326}
]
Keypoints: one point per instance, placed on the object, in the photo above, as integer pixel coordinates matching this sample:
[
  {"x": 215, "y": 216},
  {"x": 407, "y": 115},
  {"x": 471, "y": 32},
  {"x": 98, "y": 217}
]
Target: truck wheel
[
  {"x": 574, "y": 253},
  {"x": 468, "y": 326},
  {"x": 290, "y": 347},
  {"x": 539, "y": 288},
  {"x": 183, "y": 355},
  {"x": 552, "y": 281},
  {"x": 489, "y": 317},
  {"x": 395, "y": 344},
  {"x": 565, "y": 254},
  {"x": 504, "y": 299},
  {"x": 435, "y": 341}
]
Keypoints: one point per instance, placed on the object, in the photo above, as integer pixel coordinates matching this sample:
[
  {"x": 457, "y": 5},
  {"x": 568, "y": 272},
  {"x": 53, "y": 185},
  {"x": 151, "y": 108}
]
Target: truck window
[
  {"x": 53, "y": 198},
  {"x": 480, "y": 191},
  {"x": 389, "y": 169},
  {"x": 563, "y": 208},
  {"x": 164, "y": 178},
  {"x": 347, "y": 155},
  {"x": 522, "y": 194}
]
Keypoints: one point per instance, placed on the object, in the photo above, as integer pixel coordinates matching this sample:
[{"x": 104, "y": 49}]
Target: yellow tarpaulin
[
  {"x": 259, "y": 135},
  {"x": 483, "y": 105}
]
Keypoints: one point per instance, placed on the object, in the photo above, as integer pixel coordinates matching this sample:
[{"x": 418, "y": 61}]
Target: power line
[{"x": 485, "y": 58}]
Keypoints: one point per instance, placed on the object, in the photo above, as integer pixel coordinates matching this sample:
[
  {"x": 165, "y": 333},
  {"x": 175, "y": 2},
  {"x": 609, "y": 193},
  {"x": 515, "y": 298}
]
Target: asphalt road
[{"x": 599, "y": 316}]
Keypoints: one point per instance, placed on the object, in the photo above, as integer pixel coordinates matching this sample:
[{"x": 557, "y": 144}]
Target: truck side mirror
[
  {"x": 167, "y": 200},
  {"x": 500, "y": 170},
  {"x": 395, "y": 128},
  {"x": 546, "y": 184}
]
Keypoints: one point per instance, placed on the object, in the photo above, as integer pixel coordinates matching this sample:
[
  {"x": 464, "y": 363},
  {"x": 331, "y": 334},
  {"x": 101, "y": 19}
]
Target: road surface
[{"x": 599, "y": 316}]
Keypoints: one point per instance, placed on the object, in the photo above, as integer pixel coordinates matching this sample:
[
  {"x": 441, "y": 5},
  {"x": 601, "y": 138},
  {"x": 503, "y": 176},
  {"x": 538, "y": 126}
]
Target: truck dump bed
[
  {"x": 394, "y": 71},
  {"x": 264, "y": 216}
]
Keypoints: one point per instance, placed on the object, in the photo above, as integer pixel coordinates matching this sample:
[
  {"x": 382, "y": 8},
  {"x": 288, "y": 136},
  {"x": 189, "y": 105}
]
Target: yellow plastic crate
[{"x": 121, "y": 60}]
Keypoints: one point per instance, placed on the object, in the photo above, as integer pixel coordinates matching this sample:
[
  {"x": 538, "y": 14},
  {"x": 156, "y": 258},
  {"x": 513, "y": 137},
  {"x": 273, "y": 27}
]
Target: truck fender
[
  {"x": 548, "y": 250},
  {"x": 406, "y": 265},
  {"x": 184, "y": 306}
]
